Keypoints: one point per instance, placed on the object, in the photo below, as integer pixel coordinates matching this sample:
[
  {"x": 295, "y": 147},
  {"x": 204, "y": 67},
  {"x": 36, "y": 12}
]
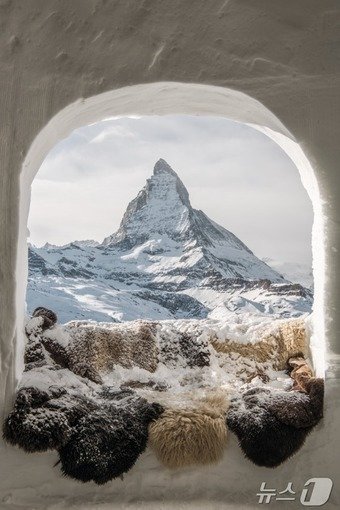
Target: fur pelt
[
  {"x": 191, "y": 436},
  {"x": 272, "y": 425},
  {"x": 33, "y": 425},
  {"x": 34, "y": 352},
  {"x": 99, "y": 431},
  {"x": 97, "y": 439},
  {"x": 304, "y": 381},
  {"x": 107, "y": 441},
  {"x": 143, "y": 344},
  {"x": 94, "y": 349},
  {"x": 41, "y": 349},
  {"x": 40, "y": 346},
  {"x": 300, "y": 372},
  {"x": 178, "y": 348},
  {"x": 48, "y": 316},
  {"x": 287, "y": 340}
]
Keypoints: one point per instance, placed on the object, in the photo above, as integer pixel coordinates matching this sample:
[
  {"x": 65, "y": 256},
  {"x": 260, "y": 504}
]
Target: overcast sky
[{"x": 236, "y": 175}]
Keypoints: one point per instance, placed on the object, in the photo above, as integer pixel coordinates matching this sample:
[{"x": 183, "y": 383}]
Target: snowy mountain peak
[
  {"x": 162, "y": 207},
  {"x": 166, "y": 260},
  {"x": 162, "y": 167},
  {"x": 161, "y": 216},
  {"x": 163, "y": 173}
]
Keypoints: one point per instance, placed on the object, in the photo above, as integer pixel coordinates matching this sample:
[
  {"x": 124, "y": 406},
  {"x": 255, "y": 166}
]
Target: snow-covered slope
[
  {"x": 294, "y": 272},
  {"x": 167, "y": 260}
]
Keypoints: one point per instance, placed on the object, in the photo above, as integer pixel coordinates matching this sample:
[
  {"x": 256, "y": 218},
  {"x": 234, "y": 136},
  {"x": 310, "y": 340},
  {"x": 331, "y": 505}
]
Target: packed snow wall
[{"x": 274, "y": 66}]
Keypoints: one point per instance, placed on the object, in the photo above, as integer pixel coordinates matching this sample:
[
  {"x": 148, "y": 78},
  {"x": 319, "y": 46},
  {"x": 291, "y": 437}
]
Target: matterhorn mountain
[{"x": 167, "y": 260}]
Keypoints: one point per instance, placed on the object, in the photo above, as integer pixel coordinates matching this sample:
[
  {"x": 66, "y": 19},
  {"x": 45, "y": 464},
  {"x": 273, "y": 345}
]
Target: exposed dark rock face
[
  {"x": 163, "y": 207},
  {"x": 38, "y": 265},
  {"x": 180, "y": 305}
]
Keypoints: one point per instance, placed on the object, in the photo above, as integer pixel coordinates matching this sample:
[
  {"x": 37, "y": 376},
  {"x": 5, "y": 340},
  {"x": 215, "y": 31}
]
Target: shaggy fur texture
[
  {"x": 57, "y": 352},
  {"x": 94, "y": 349},
  {"x": 41, "y": 349},
  {"x": 291, "y": 340},
  {"x": 182, "y": 349},
  {"x": 34, "y": 352},
  {"x": 184, "y": 437},
  {"x": 99, "y": 431},
  {"x": 300, "y": 372},
  {"x": 96, "y": 440},
  {"x": 107, "y": 441},
  {"x": 270, "y": 425},
  {"x": 287, "y": 340},
  {"x": 49, "y": 317},
  {"x": 34, "y": 426}
]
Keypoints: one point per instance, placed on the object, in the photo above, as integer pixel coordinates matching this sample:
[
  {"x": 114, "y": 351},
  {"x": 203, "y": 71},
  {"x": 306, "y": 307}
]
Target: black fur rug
[
  {"x": 97, "y": 439},
  {"x": 35, "y": 424},
  {"x": 272, "y": 425},
  {"x": 106, "y": 442}
]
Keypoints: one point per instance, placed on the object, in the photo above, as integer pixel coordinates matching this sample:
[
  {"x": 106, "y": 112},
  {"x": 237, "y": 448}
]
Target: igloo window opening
[{"x": 169, "y": 288}]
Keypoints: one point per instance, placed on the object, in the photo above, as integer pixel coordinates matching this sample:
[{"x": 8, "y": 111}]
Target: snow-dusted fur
[
  {"x": 194, "y": 435},
  {"x": 97, "y": 439},
  {"x": 94, "y": 349},
  {"x": 100, "y": 348},
  {"x": 42, "y": 348},
  {"x": 35, "y": 424},
  {"x": 107, "y": 441},
  {"x": 95, "y": 392},
  {"x": 187, "y": 349},
  {"x": 300, "y": 372},
  {"x": 273, "y": 425},
  {"x": 283, "y": 341},
  {"x": 49, "y": 318}
]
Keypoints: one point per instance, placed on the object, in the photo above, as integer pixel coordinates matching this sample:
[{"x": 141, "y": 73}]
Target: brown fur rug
[
  {"x": 100, "y": 348},
  {"x": 192, "y": 436},
  {"x": 283, "y": 341}
]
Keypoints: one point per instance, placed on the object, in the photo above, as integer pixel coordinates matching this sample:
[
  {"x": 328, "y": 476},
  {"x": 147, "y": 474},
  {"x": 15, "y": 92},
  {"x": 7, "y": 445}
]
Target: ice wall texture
[{"x": 284, "y": 55}]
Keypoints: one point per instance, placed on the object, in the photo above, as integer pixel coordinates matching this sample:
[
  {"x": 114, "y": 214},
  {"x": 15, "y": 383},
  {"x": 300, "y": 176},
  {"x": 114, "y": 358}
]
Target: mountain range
[{"x": 166, "y": 260}]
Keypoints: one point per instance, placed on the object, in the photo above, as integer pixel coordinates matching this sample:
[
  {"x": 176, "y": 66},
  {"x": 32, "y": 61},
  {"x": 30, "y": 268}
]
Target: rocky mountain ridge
[{"x": 166, "y": 260}]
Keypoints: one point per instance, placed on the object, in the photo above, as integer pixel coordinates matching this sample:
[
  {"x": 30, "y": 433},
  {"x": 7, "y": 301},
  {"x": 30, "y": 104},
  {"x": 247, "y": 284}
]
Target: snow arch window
[
  {"x": 203, "y": 359},
  {"x": 126, "y": 238}
]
